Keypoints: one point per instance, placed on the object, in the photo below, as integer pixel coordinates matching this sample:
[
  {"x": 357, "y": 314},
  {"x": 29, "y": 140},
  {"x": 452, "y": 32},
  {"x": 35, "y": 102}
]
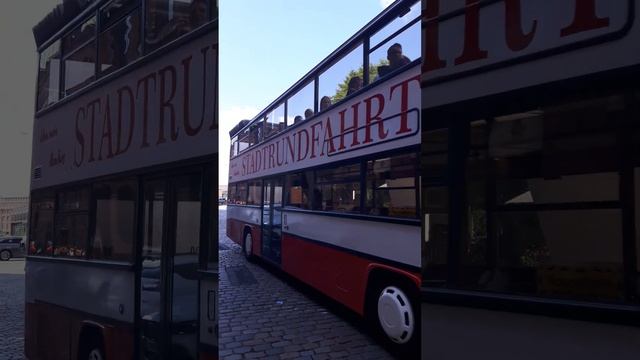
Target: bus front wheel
[{"x": 392, "y": 309}]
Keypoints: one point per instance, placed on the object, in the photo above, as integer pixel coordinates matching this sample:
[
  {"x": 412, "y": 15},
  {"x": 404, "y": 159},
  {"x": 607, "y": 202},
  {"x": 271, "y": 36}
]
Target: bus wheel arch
[
  {"x": 392, "y": 308},
  {"x": 91, "y": 345},
  {"x": 247, "y": 243}
]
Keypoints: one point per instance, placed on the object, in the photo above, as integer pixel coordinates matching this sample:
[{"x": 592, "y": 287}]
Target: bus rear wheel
[
  {"x": 392, "y": 310},
  {"x": 247, "y": 245}
]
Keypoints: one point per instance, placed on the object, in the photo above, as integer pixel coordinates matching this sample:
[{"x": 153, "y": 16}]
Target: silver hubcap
[
  {"x": 396, "y": 315},
  {"x": 248, "y": 242},
  {"x": 95, "y": 354}
]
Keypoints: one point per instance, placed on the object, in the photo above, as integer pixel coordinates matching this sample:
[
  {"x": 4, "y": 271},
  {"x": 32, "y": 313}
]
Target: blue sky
[{"x": 266, "y": 46}]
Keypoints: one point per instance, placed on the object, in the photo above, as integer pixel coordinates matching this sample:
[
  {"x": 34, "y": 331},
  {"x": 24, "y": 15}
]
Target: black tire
[
  {"x": 93, "y": 349},
  {"x": 5, "y": 255},
  {"x": 247, "y": 239},
  {"x": 398, "y": 291}
]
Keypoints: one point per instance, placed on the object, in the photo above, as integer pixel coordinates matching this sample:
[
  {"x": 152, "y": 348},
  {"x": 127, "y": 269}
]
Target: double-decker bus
[
  {"x": 530, "y": 179},
  {"x": 122, "y": 250},
  {"x": 323, "y": 183}
]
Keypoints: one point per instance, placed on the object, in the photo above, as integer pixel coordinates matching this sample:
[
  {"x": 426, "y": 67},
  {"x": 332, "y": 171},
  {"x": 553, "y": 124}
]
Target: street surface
[
  {"x": 12, "y": 309},
  {"x": 267, "y": 314}
]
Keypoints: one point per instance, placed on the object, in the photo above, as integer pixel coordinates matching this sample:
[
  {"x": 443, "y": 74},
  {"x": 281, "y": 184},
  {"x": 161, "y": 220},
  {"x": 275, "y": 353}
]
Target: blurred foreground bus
[
  {"x": 530, "y": 179},
  {"x": 122, "y": 259}
]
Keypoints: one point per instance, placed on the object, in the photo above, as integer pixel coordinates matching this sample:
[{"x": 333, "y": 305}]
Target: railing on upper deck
[
  {"x": 385, "y": 46},
  {"x": 105, "y": 36}
]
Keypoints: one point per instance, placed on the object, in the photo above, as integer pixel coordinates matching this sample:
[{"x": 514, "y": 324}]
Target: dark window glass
[
  {"x": 254, "y": 193},
  {"x": 120, "y": 44},
  {"x": 542, "y": 211},
  {"x": 49, "y": 75},
  {"x": 114, "y": 221},
  {"x": 41, "y": 233},
  {"x": 241, "y": 194},
  {"x": 80, "y": 68},
  {"x": 231, "y": 194},
  {"x": 168, "y": 20},
  {"x": 338, "y": 189},
  {"x": 298, "y": 190},
  {"x": 79, "y": 36},
  {"x": 115, "y": 10},
  {"x": 72, "y": 223},
  {"x": 391, "y": 186}
]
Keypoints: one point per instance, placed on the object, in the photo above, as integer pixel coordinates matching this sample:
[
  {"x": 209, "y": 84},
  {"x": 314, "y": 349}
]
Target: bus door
[
  {"x": 272, "y": 219},
  {"x": 168, "y": 301}
]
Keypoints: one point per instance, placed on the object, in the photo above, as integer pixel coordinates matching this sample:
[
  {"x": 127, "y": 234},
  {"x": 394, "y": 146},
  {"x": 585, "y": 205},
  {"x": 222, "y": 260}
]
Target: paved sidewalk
[
  {"x": 265, "y": 314},
  {"x": 12, "y": 309}
]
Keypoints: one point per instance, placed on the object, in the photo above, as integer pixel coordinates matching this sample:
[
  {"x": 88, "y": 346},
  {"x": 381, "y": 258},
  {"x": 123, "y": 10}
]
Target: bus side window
[{"x": 333, "y": 83}]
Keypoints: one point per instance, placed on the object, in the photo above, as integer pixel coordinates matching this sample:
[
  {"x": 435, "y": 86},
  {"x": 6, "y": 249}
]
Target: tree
[{"x": 343, "y": 87}]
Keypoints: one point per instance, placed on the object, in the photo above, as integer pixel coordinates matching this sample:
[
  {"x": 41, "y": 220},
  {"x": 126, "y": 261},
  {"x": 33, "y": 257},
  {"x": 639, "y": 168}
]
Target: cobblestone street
[
  {"x": 11, "y": 309},
  {"x": 266, "y": 314}
]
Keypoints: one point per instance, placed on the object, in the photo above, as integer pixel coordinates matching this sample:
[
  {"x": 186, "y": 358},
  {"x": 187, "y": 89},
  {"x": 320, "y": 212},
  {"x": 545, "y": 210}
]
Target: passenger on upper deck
[
  {"x": 396, "y": 60},
  {"x": 297, "y": 119},
  {"x": 355, "y": 84},
  {"x": 308, "y": 113},
  {"x": 325, "y": 102}
]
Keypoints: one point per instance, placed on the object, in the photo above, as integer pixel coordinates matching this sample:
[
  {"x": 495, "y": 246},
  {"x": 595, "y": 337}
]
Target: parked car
[{"x": 13, "y": 246}]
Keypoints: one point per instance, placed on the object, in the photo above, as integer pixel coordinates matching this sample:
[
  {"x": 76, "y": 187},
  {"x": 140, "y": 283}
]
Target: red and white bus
[
  {"x": 122, "y": 260},
  {"x": 323, "y": 183},
  {"x": 531, "y": 179}
]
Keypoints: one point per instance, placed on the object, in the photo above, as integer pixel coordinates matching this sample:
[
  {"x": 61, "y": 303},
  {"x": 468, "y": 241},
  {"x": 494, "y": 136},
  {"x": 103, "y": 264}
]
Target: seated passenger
[
  {"x": 355, "y": 84},
  {"x": 396, "y": 60},
  {"x": 297, "y": 119},
  {"x": 325, "y": 102},
  {"x": 308, "y": 113}
]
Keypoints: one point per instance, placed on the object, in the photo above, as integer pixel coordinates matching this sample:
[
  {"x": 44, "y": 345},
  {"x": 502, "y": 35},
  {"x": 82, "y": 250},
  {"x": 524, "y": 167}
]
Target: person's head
[
  {"x": 297, "y": 119},
  {"x": 394, "y": 55},
  {"x": 355, "y": 84},
  {"x": 308, "y": 113},
  {"x": 325, "y": 102},
  {"x": 198, "y": 12}
]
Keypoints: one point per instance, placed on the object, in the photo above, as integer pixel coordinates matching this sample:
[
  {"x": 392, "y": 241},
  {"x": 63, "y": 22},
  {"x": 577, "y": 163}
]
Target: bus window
[
  {"x": 72, "y": 223},
  {"x": 297, "y": 190},
  {"x": 244, "y": 140},
  {"x": 49, "y": 75},
  {"x": 274, "y": 122},
  {"x": 391, "y": 186},
  {"x": 79, "y": 49},
  {"x": 234, "y": 146},
  {"x": 542, "y": 187},
  {"x": 41, "y": 234},
  {"x": 398, "y": 23},
  {"x": 114, "y": 216},
  {"x": 334, "y": 82},
  {"x": 241, "y": 194},
  {"x": 395, "y": 53},
  {"x": 254, "y": 193},
  {"x": 338, "y": 189},
  {"x": 256, "y": 132},
  {"x": 231, "y": 194},
  {"x": 120, "y": 44},
  {"x": 299, "y": 103},
  {"x": 167, "y": 20}
]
